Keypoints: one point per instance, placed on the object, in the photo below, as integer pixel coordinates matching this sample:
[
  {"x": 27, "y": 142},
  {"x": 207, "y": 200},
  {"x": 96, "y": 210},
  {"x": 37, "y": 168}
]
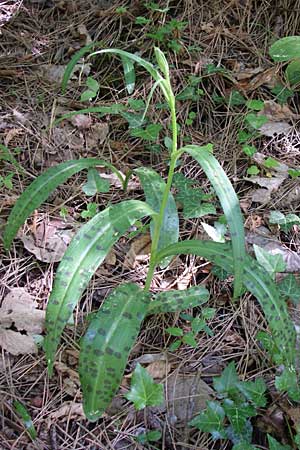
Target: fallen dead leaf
[
  {"x": 159, "y": 369},
  {"x": 276, "y": 112},
  {"x": 96, "y": 135},
  {"x": 84, "y": 34},
  {"x": 271, "y": 128},
  {"x": 67, "y": 411},
  {"x": 139, "y": 251},
  {"x": 81, "y": 121},
  {"x": 19, "y": 309},
  {"x": 50, "y": 240},
  {"x": 111, "y": 258},
  {"x": 11, "y": 134}
]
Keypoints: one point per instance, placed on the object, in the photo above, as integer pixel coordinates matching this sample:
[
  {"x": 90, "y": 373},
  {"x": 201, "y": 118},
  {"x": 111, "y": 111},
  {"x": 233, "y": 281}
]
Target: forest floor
[{"x": 218, "y": 52}]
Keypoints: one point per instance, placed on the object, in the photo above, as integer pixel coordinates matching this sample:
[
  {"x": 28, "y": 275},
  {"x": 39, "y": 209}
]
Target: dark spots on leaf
[
  {"x": 109, "y": 351},
  {"x": 88, "y": 388},
  {"x": 118, "y": 355},
  {"x": 99, "y": 393},
  {"x": 99, "y": 248},
  {"x": 63, "y": 283},
  {"x": 68, "y": 258},
  {"x": 70, "y": 305},
  {"x": 98, "y": 352},
  {"x": 87, "y": 236},
  {"x": 101, "y": 331},
  {"x": 140, "y": 315},
  {"x": 55, "y": 302},
  {"x": 127, "y": 315},
  {"x": 127, "y": 349},
  {"x": 105, "y": 311},
  {"x": 110, "y": 370}
]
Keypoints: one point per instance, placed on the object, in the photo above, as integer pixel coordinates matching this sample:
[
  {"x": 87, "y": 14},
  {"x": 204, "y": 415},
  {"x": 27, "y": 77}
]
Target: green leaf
[
  {"x": 256, "y": 105},
  {"x": 253, "y": 170},
  {"x": 75, "y": 58},
  {"x": 106, "y": 346},
  {"x": 150, "y": 133},
  {"x": 244, "y": 446},
  {"x": 154, "y": 187},
  {"x": 95, "y": 183},
  {"x": 190, "y": 340},
  {"x": 140, "y": 20},
  {"x": 289, "y": 287},
  {"x": 274, "y": 445},
  {"x": 254, "y": 391},
  {"x": 216, "y": 233},
  {"x": 249, "y": 150},
  {"x": 226, "y": 383},
  {"x": 38, "y": 191},
  {"x": 236, "y": 99},
  {"x": 191, "y": 198},
  {"x": 286, "y": 221},
  {"x": 25, "y": 416},
  {"x": 162, "y": 62},
  {"x": 143, "y": 391},
  {"x": 90, "y": 211},
  {"x": 285, "y": 49},
  {"x": 257, "y": 281},
  {"x": 211, "y": 420},
  {"x": 87, "y": 95},
  {"x": 238, "y": 415},
  {"x": 86, "y": 252},
  {"x": 129, "y": 74},
  {"x": 172, "y": 301},
  {"x": 230, "y": 205},
  {"x": 282, "y": 93},
  {"x": 255, "y": 121},
  {"x": 292, "y": 72},
  {"x": 271, "y": 263},
  {"x": 92, "y": 84},
  {"x": 288, "y": 382},
  {"x": 270, "y": 163},
  {"x": 174, "y": 331},
  {"x": 150, "y": 436}
]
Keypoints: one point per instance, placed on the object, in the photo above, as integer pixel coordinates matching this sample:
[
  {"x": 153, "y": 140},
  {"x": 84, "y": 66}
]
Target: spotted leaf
[
  {"x": 86, "y": 252},
  {"x": 154, "y": 186},
  {"x": 172, "y": 301},
  {"x": 106, "y": 346},
  {"x": 230, "y": 205},
  {"x": 38, "y": 191},
  {"x": 257, "y": 281}
]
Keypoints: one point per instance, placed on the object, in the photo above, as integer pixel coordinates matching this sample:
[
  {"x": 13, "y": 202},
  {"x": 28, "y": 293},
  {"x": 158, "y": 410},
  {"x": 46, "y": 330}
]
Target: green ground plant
[{"x": 112, "y": 332}]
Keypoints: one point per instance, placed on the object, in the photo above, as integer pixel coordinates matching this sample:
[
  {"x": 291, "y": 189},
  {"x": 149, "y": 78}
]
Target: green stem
[{"x": 159, "y": 220}]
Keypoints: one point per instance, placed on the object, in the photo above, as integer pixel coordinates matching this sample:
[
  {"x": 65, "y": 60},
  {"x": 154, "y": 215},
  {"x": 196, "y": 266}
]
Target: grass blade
[
  {"x": 25, "y": 416},
  {"x": 106, "y": 346},
  {"x": 173, "y": 301},
  {"x": 74, "y": 60},
  {"x": 82, "y": 258},
  {"x": 38, "y": 191},
  {"x": 154, "y": 186},
  {"x": 230, "y": 205},
  {"x": 112, "y": 109},
  {"x": 256, "y": 281}
]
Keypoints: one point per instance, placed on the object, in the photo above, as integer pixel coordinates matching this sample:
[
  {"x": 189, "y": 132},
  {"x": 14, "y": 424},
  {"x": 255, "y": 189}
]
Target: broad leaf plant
[{"x": 112, "y": 332}]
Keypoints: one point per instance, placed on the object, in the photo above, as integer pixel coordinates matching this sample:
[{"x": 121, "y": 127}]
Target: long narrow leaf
[
  {"x": 106, "y": 346},
  {"x": 105, "y": 109},
  {"x": 38, "y": 191},
  {"x": 74, "y": 60},
  {"x": 82, "y": 258},
  {"x": 154, "y": 187},
  {"x": 230, "y": 205},
  {"x": 172, "y": 301},
  {"x": 257, "y": 281},
  {"x": 129, "y": 74}
]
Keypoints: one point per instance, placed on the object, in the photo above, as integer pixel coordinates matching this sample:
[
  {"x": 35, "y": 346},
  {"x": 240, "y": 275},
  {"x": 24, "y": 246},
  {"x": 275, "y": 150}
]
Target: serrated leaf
[
  {"x": 271, "y": 263},
  {"x": 274, "y": 445},
  {"x": 254, "y": 391},
  {"x": 154, "y": 187},
  {"x": 191, "y": 198},
  {"x": 95, "y": 183},
  {"x": 26, "y": 418},
  {"x": 172, "y": 301},
  {"x": 257, "y": 281},
  {"x": 289, "y": 287},
  {"x": 292, "y": 72},
  {"x": 230, "y": 205},
  {"x": 38, "y": 191},
  {"x": 238, "y": 415},
  {"x": 106, "y": 346},
  {"x": 86, "y": 252},
  {"x": 226, "y": 382},
  {"x": 129, "y": 74},
  {"x": 143, "y": 391},
  {"x": 211, "y": 420},
  {"x": 92, "y": 84},
  {"x": 285, "y": 49}
]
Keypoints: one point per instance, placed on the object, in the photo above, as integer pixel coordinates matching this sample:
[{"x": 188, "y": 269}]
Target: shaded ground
[{"x": 38, "y": 39}]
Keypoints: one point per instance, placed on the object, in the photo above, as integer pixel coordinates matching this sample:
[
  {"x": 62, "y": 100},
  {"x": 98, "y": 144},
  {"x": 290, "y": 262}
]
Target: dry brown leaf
[
  {"x": 67, "y": 411},
  {"x": 11, "y": 134},
  {"x": 267, "y": 78},
  {"x": 272, "y": 129},
  {"x": 276, "y": 112},
  {"x": 97, "y": 135},
  {"x": 81, "y": 121},
  {"x": 159, "y": 369},
  {"x": 111, "y": 258},
  {"x": 50, "y": 241},
  {"x": 19, "y": 309},
  {"x": 84, "y": 34},
  {"x": 139, "y": 251}
]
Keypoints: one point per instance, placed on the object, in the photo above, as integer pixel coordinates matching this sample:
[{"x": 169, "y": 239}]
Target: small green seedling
[
  {"x": 91, "y": 91},
  {"x": 229, "y": 416},
  {"x": 112, "y": 332},
  {"x": 90, "y": 211},
  {"x": 143, "y": 390}
]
